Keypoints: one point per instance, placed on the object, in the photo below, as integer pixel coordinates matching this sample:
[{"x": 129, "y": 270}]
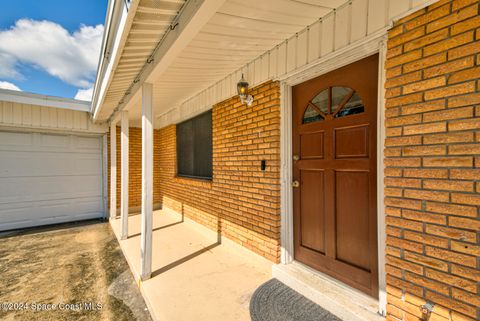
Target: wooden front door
[{"x": 334, "y": 147}]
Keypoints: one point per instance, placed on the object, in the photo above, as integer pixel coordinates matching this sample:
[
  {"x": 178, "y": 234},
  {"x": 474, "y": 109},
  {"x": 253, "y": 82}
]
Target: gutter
[{"x": 117, "y": 13}]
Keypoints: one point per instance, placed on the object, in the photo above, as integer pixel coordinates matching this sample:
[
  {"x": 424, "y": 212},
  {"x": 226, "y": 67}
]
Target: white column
[
  {"x": 147, "y": 182},
  {"x": 113, "y": 170},
  {"x": 124, "y": 175}
]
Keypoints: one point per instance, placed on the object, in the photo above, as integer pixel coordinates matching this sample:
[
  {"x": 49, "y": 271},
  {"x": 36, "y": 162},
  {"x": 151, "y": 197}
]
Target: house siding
[{"x": 432, "y": 162}]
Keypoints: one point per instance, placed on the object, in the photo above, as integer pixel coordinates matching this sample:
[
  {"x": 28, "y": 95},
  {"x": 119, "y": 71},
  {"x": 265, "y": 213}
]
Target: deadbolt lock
[
  {"x": 296, "y": 157},
  {"x": 295, "y": 184}
]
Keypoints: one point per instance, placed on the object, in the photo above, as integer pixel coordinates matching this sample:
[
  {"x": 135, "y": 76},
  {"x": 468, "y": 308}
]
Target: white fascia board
[
  {"x": 43, "y": 100},
  {"x": 109, "y": 20},
  {"x": 193, "y": 16},
  {"x": 119, "y": 35}
]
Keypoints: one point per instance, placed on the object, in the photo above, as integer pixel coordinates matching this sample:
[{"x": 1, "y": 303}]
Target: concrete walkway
[
  {"x": 67, "y": 272},
  {"x": 195, "y": 277}
]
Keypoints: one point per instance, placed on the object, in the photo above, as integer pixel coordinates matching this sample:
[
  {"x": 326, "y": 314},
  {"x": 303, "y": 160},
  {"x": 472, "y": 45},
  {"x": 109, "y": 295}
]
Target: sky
[{"x": 51, "y": 47}]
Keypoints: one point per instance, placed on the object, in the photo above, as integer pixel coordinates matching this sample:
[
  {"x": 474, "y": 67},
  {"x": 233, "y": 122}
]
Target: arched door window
[{"x": 333, "y": 102}]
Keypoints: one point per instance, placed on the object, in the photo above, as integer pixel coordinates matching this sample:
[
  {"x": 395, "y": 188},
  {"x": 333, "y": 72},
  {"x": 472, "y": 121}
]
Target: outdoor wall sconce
[{"x": 242, "y": 88}]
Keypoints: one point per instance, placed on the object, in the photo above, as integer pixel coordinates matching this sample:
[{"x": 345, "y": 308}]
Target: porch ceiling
[
  {"x": 238, "y": 32},
  {"x": 151, "y": 20}
]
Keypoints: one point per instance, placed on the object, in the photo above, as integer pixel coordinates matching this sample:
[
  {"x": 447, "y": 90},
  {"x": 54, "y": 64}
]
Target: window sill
[{"x": 194, "y": 181}]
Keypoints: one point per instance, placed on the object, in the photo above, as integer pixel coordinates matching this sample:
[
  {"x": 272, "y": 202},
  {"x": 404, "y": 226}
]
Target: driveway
[{"x": 69, "y": 272}]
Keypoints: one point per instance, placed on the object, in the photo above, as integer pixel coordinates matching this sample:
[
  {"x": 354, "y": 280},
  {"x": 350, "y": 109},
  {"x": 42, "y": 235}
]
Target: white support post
[
  {"x": 124, "y": 176},
  {"x": 113, "y": 170},
  {"x": 147, "y": 181}
]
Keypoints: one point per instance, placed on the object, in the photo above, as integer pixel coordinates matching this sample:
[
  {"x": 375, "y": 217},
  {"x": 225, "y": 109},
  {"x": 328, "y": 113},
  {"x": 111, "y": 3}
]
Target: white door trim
[{"x": 332, "y": 62}]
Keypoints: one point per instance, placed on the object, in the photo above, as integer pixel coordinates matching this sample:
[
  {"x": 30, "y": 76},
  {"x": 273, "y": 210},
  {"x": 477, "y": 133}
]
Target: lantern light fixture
[{"x": 242, "y": 89}]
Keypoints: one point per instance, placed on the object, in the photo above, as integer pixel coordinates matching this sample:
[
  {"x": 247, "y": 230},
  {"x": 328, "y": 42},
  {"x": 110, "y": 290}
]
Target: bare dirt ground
[{"x": 68, "y": 272}]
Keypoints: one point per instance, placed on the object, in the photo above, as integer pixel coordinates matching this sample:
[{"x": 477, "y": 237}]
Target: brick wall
[
  {"x": 135, "y": 169},
  {"x": 242, "y": 200},
  {"x": 432, "y": 182}
]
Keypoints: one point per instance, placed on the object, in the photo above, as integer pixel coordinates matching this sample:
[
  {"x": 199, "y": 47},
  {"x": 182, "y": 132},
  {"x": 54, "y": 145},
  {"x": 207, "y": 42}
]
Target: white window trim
[{"x": 338, "y": 59}]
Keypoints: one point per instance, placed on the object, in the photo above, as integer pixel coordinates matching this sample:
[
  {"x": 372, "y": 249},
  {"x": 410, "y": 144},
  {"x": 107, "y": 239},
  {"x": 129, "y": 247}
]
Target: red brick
[
  {"x": 424, "y": 150},
  {"x": 448, "y": 185},
  {"x": 466, "y": 223},
  {"x": 464, "y": 75},
  {"x": 451, "y": 279},
  {"x": 448, "y": 138},
  {"x": 426, "y": 261},
  {"x": 466, "y": 272},
  {"x": 470, "y": 199},
  {"x": 426, "y": 195},
  {"x": 460, "y": 210},
  {"x": 426, "y": 173},
  {"x": 449, "y": 43},
  {"x": 425, "y": 128},
  {"x": 464, "y": 124},
  {"x": 423, "y": 85},
  {"x": 452, "y": 233},
  {"x": 424, "y": 216},
  {"x": 472, "y": 174},
  {"x": 449, "y": 67},
  {"x": 464, "y": 149},
  {"x": 452, "y": 19},
  {"x": 452, "y": 90},
  {"x": 424, "y": 107},
  {"x": 465, "y": 50},
  {"x": 465, "y": 248},
  {"x": 452, "y": 304},
  {"x": 448, "y": 162},
  {"x": 458, "y": 258},
  {"x": 426, "y": 239}
]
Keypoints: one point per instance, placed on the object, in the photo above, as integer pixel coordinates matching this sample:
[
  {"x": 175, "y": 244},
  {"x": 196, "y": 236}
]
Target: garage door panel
[
  {"x": 47, "y": 179},
  {"x": 86, "y": 143},
  {"x": 21, "y": 189},
  {"x": 16, "y": 139},
  {"x": 21, "y": 164},
  {"x": 62, "y": 142}
]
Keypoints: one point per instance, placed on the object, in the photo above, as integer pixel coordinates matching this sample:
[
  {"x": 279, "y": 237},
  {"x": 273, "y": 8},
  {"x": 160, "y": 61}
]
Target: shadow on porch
[{"x": 194, "y": 276}]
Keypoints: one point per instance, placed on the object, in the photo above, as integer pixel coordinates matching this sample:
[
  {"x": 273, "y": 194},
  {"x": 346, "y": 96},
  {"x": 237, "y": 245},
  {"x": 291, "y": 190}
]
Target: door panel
[
  {"x": 334, "y": 140},
  {"x": 312, "y": 145},
  {"x": 313, "y": 211},
  {"x": 351, "y": 142},
  {"x": 352, "y": 218}
]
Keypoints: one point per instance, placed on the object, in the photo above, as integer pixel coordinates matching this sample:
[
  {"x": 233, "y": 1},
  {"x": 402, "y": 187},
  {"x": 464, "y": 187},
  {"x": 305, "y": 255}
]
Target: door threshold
[{"x": 339, "y": 299}]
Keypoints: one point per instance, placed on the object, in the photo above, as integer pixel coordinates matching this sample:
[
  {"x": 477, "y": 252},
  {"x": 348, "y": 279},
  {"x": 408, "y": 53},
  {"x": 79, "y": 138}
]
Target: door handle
[
  {"x": 295, "y": 184},
  {"x": 296, "y": 157}
]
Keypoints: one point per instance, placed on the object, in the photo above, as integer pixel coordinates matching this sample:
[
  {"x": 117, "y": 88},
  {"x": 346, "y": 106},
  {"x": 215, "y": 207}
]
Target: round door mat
[{"x": 274, "y": 301}]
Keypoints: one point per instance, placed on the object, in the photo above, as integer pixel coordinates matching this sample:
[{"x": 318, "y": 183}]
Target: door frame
[{"x": 331, "y": 62}]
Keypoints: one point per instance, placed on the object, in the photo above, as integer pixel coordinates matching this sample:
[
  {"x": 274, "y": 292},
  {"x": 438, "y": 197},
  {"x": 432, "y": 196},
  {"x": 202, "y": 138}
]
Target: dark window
[{"x": 194, "y": 147}]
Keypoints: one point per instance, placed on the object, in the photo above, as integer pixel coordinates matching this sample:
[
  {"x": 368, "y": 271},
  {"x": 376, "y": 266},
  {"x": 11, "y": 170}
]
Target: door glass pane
[
  {"x": 321, "y": 101},
  {"x": 311, "y": 115},
  {"x": 353, "y": 106},
  {"x": 338, "y": 94}
]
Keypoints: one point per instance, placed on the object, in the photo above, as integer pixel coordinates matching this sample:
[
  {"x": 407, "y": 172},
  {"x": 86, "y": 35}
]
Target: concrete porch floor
[{"x": 194, "y": 277}]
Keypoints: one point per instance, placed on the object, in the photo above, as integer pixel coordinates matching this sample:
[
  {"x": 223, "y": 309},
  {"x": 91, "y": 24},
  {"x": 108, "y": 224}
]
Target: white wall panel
[
  {"x": 359, "y": 16},
  {"x": 397, "y": 7},
  {"x": 328, "y": 38},
  {"x": 49, "y": 118}
]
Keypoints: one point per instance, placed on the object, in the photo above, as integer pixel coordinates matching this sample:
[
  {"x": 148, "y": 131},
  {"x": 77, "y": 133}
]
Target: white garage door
[{"x": 47, "y": 179}]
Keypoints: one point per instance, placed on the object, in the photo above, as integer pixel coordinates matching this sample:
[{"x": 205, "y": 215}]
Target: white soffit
[
  {"x": 151, "y": 21},
  {"x": 237, "y": 33}
]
